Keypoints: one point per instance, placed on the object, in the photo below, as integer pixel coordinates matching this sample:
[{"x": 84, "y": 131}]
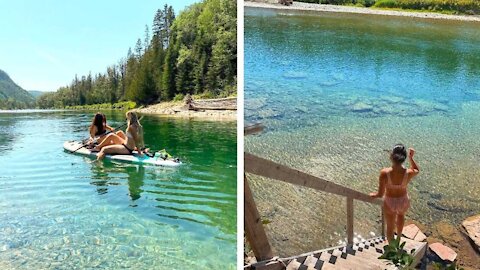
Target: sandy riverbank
[
  {"x": 177, "y": 109},
  {"x": 362, "y": 10}
]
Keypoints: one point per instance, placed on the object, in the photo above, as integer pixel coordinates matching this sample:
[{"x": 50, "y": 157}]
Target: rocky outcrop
[
  {"x": 472, "y": 226},
  {"x": 445, "y": 253},
  {"x": 445, "y": 233}
]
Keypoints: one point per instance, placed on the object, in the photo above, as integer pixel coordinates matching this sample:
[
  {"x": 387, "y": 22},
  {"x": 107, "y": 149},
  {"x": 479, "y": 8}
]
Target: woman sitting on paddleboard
[
  {"x": 133, "y": 139},
  {"x": 99, "y": 126},
  {"x": 393, "y": 183}
]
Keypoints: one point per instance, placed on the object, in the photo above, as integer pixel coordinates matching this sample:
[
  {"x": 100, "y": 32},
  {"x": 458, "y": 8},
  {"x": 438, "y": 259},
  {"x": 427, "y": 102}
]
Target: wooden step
[{"x": 362, "y": 255}]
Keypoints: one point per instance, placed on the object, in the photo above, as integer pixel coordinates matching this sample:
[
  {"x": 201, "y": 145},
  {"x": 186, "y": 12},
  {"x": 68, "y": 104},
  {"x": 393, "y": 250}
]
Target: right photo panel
[{"x": 362, "y": 123}]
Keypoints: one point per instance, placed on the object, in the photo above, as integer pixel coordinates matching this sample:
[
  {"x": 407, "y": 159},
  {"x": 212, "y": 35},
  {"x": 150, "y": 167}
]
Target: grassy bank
[
  {"x": 124, "y": 105},
  {"x": 444, "y": 6}
]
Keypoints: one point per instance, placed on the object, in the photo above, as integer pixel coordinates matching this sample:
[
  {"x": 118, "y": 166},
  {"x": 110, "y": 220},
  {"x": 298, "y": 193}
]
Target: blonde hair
[{"x": 133, "y": 120}]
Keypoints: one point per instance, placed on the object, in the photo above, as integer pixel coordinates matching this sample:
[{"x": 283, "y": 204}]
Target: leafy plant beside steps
[
  {"x": 439, "y": 266},
  {"x": 395, "y": 253}
]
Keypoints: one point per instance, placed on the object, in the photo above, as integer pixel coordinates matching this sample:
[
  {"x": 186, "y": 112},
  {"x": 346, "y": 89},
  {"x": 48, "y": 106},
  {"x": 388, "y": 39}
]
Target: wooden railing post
[
  {"x": 254, "y": 228},
  {"x": 349, "y": 220}
]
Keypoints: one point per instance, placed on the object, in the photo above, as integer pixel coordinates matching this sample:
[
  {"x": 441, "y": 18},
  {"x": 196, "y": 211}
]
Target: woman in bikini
[
  {"x": 133, "y": 140},
  {"x": 393, "y": 183},
  {"x": 99, "y": 128}
]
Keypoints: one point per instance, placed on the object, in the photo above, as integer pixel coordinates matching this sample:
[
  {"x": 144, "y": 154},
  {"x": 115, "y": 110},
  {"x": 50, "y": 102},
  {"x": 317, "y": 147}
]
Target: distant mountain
[
  {"x": 13, "y": 96},
  {"x": 36, "y": 93}
]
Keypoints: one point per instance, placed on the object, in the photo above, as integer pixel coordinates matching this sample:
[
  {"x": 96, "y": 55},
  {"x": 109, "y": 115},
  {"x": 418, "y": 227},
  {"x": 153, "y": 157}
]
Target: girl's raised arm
[{"x": 413, "y": 165}]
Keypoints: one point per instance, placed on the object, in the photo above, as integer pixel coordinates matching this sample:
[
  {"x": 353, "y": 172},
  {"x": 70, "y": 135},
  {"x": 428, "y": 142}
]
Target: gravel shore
[
  {"x": 177, "y": 109},
  {"x": 362, "y": 10}
]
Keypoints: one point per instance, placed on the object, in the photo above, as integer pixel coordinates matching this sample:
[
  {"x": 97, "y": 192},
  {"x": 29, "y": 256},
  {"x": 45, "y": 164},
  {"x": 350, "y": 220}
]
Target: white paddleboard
[{"x": 71, "y": 146}]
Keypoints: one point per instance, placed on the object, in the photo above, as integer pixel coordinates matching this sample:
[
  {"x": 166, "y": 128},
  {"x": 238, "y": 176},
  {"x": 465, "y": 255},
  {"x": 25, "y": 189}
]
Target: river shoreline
[
  {"x": 300, "y": 6},
  {"x": 168, "y": 109},
  {"x": 176, "y": 109}
]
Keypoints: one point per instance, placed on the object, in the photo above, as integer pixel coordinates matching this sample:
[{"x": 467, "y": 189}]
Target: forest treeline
[{"x": 195, "y": 52}]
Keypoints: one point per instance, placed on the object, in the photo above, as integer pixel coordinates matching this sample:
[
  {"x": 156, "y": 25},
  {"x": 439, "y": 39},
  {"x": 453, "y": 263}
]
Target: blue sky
[{"x": 43, "y": 44}]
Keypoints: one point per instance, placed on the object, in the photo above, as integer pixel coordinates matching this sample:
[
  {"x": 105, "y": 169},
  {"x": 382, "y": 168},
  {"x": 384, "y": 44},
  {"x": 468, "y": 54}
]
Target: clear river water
[
  {"x": 334, "y": 90},
  {"x": 64, "y": 211}
]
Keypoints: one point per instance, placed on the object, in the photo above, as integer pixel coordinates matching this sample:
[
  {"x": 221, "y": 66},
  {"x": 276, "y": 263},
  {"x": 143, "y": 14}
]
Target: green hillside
[{"x": 13, "y": 96}]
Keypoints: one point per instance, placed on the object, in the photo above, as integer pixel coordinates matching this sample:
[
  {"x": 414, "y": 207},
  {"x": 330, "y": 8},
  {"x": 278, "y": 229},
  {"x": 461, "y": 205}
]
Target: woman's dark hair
[
  {"x": 98, "y": 122},
  {"x": 104, "y": 118},
  {"x": 399, "y": 153}
]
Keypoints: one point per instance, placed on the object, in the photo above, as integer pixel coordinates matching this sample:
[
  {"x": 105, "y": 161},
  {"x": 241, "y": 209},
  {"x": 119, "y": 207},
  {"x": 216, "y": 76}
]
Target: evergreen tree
[
  {"x": 192, "y": 53},
  {"x": 138, "y": 49},
  {"x": 146, "y": 41}
]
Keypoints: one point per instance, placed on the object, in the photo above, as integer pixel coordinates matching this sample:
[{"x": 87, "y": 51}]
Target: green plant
[
  {"x": 452, "y": 266},
  {"x": 386, "y": 4},
  {"x": 395, "y": 253},
  {"x": 179, "y": 97}
]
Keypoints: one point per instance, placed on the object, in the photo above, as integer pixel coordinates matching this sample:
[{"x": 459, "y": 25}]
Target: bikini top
[{"x": 403, "y": 185}]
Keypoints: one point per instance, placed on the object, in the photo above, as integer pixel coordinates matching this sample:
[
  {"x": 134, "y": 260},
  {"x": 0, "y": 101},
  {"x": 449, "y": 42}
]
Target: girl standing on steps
[{"x": 393, "y": 183}]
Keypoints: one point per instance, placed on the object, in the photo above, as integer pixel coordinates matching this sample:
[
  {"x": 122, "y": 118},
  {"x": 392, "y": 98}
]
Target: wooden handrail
[
  {"x": 263, "y": 167},
  {"x": 267, "y": 168}
]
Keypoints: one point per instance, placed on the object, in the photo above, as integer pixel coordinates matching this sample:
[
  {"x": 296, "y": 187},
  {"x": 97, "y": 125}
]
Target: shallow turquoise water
[
  {"x": 334, "y": 90},
  {"x": 64, "y": 211}
]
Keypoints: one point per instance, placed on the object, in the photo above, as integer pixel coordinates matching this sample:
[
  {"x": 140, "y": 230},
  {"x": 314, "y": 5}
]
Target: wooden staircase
[
  {"x": 358, "y": 256},
  {"x": 362, "y": 255}
]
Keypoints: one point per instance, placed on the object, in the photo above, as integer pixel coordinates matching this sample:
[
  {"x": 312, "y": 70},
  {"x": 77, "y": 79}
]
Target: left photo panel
[{"x": 118, "y": 135}]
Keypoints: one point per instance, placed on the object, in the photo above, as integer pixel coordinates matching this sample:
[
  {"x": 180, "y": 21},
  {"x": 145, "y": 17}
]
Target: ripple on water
[{"x": 65, "y": 211}]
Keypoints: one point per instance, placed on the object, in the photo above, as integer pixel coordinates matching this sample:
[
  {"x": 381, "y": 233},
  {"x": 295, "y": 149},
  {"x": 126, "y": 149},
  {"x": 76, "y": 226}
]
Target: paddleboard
[{"x": 71, "y": 146}]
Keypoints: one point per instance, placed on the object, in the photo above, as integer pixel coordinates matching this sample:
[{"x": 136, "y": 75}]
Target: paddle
[{"x": 106, "y": 133}]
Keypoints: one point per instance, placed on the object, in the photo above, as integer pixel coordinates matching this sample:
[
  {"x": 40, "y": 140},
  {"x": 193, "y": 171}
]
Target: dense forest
[{"x": 195, "y": 52}]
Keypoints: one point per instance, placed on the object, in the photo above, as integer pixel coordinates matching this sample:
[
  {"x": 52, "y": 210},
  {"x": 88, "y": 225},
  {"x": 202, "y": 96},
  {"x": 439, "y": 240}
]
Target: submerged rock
[
  {"x": 362, "y": 107},
  {"x": 449, "y": 234},
  {"x": 255, "y": 103},
  {"x": 472, "y": 226},
  {"x": 295, "y": 75},
  {"x": 269, "y": 113},
  {"x": 392, "y": 99}
]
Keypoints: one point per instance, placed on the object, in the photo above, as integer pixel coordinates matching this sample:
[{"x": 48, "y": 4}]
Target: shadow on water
[
  {"x": 103, "y": 176},
  {"x": 8, "y": 134}
]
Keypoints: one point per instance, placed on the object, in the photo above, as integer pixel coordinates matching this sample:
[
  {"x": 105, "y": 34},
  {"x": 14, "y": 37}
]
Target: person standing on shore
[{"x": 393, "y": 183}]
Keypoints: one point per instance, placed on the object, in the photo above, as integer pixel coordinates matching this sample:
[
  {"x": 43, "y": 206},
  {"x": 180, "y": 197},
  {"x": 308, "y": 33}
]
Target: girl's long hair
[
  {"x": 98, "y": 122},
  {"x": 104, "y": 119},
  {"x": 132, "y": 119}
]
